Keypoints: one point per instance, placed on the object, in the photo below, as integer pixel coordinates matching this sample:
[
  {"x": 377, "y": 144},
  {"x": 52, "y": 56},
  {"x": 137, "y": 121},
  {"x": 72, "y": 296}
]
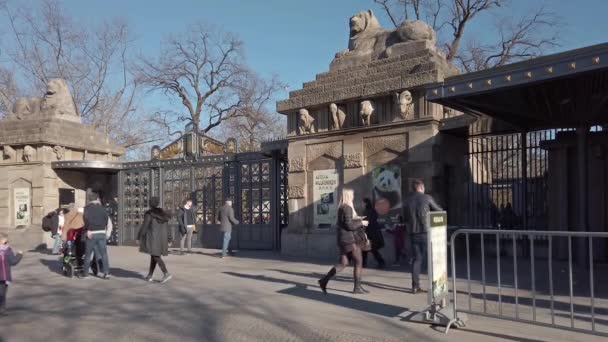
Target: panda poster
[
  {"x": 386, "y": 181},
  {"x": 21, "y": 198},
  {"x": 325, "y": 186}
]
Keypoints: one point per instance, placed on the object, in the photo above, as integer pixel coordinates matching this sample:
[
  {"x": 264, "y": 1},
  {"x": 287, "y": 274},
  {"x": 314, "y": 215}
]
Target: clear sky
[{"x": 297, "y": 39}]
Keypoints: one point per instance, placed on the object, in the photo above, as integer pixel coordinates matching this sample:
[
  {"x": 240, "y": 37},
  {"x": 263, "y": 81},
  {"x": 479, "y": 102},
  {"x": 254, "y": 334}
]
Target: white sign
[
  {"x": 438, "y": 255},
  {"x": 325, "y": 196},
  {"x": 23, "y": 207}
]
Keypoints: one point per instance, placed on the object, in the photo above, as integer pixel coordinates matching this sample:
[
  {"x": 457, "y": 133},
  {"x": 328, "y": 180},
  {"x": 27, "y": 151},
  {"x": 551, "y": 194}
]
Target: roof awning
[
  {"x": 88, "y": 165},
  {"x": 568, "y": 89}
]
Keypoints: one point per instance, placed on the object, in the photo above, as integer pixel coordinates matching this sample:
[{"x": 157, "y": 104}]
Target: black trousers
[
  {"x": 419, "y": 255},
  {"x": 377, "y": 256},
  {"x": 156, "y": 259},
  {"x": 3, "y": 291}
]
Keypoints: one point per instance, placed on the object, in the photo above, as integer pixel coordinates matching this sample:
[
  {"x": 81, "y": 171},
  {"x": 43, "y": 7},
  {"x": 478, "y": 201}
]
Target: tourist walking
[
  {"x": 416, "y": 210},
  {"x": 58, "y": 224},
  {"x": 95, "y": 227},
  {"x": 8, "y": 258},
  {"x": 374, "y": 234},
  {"x": 154, "y": 238},
  {"x": 186, "y": 220},
  {"x": 227, "y": 220},
  {"x": 351, "y": 241}
]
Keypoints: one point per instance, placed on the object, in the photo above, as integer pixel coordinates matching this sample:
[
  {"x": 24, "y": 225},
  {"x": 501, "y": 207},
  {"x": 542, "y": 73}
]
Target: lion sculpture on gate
[
  {"x": 369, "y": 41},
  {"x": 56, "y": 101}
]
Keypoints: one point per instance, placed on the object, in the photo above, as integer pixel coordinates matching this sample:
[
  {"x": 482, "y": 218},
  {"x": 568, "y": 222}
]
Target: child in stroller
[{"x": 74, "y": 253}]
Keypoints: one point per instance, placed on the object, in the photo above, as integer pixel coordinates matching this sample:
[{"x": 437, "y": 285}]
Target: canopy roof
[{"x": 568, "y": 89}]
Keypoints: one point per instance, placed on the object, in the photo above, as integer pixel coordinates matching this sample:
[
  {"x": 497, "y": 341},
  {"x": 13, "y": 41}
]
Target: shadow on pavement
[
  {"x": 344, "y": 279},
  {"x": 273, "y": 280},
  {"x": 501, "y": 336},
  {"x": 53, "y": 265},
  {"x": 363, "y": 305},
  {"x": 122, "y": 273}
]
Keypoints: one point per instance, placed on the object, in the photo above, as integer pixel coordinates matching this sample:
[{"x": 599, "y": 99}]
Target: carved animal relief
[
  {"x": 59, "y": 152},
  {"x": 337, "y": 116},
  {"x": 29, "y": 154},
  {"x": 406, "y": 105},
  {"x": 8, "y": 153},
  {"x": 366, "y": 112},
  {"x": 305, "y": 122}
]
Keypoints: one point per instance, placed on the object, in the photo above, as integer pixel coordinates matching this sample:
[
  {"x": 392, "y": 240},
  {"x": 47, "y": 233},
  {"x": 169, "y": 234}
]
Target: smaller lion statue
[
  {"x": 337, "y": 116},
  {"x": 305, "y": 122},
  {"x": 366, "y": 112},
  {"x": 26, "y": 106},
  {"x": 406, "y": 105}
]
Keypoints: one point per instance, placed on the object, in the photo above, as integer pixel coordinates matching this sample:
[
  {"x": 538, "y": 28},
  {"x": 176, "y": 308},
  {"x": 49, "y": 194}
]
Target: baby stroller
[{"x": 74, "y": 253}]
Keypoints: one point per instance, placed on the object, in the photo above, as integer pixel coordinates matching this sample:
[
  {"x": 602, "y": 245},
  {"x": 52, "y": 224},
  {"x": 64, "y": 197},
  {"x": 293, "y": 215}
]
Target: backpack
[{"x": 47, "y": 223}]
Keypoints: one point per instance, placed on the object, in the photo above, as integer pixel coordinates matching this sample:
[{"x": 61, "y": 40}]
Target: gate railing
[{"x": 519, "y": 286}]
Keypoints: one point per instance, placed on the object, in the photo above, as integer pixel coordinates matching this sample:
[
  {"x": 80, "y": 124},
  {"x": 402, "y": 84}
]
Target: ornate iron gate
[{"x": 256, "y": 183}]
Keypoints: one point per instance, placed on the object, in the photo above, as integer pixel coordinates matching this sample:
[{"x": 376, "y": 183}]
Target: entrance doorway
[{"x": 66, "y": 197}]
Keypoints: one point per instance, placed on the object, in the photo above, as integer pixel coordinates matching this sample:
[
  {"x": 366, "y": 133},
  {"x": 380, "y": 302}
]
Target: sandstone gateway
[{"x": 367, "y": 124}]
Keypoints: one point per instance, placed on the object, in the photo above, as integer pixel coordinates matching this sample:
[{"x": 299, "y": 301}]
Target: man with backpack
[{"x": 95, "y": 227}]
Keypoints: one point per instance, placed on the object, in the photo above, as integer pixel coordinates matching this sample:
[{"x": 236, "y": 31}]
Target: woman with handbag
[
  {"x": 351, "y": 240},
  {"x": 154, "y": 238}
]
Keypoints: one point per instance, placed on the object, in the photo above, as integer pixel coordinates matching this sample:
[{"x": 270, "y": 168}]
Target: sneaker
[
  {"x": 83, "y": 276},
  {"x": 166, "y": 278},
  {"x": 105, "y": 276},
  {"x": 148, "y": 278}
]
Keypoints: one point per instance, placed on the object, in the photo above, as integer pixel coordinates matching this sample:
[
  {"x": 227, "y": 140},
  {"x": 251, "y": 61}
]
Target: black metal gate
[{"x": 255, "y": 182}]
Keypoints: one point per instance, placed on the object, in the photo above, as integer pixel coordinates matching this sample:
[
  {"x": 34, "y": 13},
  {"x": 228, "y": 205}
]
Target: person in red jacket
[{"x": 7, "y": 259}]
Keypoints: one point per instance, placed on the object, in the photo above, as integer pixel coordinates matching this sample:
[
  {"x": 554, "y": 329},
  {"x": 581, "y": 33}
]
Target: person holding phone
[{"x": 351, "y": 240}]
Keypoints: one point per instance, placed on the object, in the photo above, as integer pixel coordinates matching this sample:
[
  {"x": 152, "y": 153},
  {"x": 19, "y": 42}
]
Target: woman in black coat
[
  {"x": 154, "y": 238},
  {"x": 351, "y": 242},
  {"x": 374, "y": 234}
]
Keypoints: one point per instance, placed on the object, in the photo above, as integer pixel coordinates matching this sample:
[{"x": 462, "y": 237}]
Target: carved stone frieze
[
  {"x": 297, "y": 164},
  {"x": 332, "y": 149},
  {"x": 59, "y": 152},
  {"x": 353, "y": 160},
  {"x": 295, "y": 191},
  {"x": 395, "y": 142}
]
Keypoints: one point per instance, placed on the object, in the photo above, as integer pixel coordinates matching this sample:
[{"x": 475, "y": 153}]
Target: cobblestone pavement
[{"x": 256, "y": 296}]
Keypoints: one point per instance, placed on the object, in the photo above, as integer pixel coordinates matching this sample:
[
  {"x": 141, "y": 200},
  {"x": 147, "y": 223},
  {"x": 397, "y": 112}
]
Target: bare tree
[
  {"x": 203, "y": 68},
  {"x": 516, "y": 38},
  {"x": 256, "y": 121},
  {"x": 9, "y": 91},
  {"x": 46, "y": 43}
]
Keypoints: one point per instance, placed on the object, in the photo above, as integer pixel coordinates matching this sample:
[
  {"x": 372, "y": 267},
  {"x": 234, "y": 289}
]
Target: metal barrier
[{"x": 556, "y": 311}]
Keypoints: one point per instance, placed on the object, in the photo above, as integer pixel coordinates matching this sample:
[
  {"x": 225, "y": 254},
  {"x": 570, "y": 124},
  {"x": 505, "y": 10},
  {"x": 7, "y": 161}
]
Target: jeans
[
  {"x": 3, "y": 291},
  {"x": 419, "y": 254},
  {"x": 57, "y": 244},
  {"x": 188, "y": 237},
  {"x": 98, "y": 244},
  {"x": 226, "y": 244}
]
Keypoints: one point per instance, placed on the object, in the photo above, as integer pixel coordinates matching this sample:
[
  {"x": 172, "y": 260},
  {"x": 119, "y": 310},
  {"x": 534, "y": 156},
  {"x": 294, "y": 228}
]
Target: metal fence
[{"x": 550, "y": 286}]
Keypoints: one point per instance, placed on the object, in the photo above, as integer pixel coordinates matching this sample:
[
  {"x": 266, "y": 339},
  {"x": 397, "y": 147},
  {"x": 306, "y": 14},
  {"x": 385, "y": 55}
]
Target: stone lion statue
[
  {"x": 57, "y": 99},
  {"x": 406, "y": 105},
  {"x": 366, "y": 112},
  {"x": 369, "y": 41},
  {"x": 305, "y": 122},
  {"x": 337, "y": 116}
]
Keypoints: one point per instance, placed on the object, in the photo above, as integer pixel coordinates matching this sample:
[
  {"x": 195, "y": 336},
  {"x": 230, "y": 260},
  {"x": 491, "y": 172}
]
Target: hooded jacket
[
  {"x": 7, "y": 260},
  {"x": 154, "y": 234}
]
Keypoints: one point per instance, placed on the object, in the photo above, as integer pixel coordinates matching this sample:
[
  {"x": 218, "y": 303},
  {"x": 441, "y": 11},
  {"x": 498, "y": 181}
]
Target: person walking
[
  {"x": 57, "y": 223},
  {"x": 227, "y": 220},
  {"x": 374, "y": 233},
  {"x": 351, "y": 240},
  {"x": 8, "y": 258},
  {"x": 95, "y": 227},
  {"x": 186, "y": 220},
  {"x": 416, "y": 210},
  {"x": 154, "y": 238}
]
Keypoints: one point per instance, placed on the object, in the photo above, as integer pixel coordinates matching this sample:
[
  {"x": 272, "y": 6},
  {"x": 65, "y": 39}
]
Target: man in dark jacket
[
  {"x": 95, "y": 226},
  {"x": 186, "y": 221},
  {"x": 416, "y": 210},
  {"x": 226, "y": 218}
]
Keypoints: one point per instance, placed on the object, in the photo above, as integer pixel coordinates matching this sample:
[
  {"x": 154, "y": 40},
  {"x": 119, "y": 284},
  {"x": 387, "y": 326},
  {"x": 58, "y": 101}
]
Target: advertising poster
[
  {"x": 22, "y": 206},
  {"x": 386, "y": 181},
  {"x": 325, "y": 196},
  {"x": 439, "y": 254}
]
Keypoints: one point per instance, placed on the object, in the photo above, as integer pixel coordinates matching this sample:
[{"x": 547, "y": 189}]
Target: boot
[
  {"x": 323, "y": 281},
  {"x": 357, "y": 289}
]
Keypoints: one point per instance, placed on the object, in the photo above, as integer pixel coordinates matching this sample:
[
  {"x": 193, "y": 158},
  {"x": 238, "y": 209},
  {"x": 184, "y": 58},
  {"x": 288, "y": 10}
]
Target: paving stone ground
[{"x": 257, "y": 296}]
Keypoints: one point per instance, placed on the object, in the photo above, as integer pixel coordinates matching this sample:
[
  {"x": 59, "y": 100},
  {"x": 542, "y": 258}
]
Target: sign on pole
[{"x": 438, "y": 257}]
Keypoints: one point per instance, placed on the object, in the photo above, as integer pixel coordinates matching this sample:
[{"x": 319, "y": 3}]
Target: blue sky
[{"x": 297, "y": 39}]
